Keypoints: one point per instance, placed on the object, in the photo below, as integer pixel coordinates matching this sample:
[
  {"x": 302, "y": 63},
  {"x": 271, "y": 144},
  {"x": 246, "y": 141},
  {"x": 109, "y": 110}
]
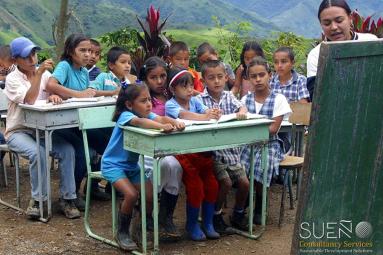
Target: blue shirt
[
  {"x": 173, "y": 109},
  {"x": 70, "y": 77},
  {"x": 115, "y": 156},
  {"x": 106, "y": 81}
]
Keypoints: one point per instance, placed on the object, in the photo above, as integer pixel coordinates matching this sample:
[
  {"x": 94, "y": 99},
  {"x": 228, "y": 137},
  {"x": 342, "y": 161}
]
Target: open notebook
[{"x": 224, "y": 118}]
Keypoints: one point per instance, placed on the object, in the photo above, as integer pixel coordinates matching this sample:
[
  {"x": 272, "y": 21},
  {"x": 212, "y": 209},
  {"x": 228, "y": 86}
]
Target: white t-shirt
[
  {"x": 281, "y": 106},
  {"x": 16, "y": 87},
  {"x": 312, "y": 58}
]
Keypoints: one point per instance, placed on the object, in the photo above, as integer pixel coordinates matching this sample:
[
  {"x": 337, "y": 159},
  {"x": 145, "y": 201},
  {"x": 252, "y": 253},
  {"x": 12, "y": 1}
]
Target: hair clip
[{"x": 124, "y": 85}]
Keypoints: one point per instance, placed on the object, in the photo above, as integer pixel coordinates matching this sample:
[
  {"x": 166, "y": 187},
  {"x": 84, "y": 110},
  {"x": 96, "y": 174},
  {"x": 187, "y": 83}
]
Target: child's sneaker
[
  {"x": 69, "y": 208},
  {"x": 240, "y": 221},
  {"x": 220, "y": 225},
  {"x": 33, "y": 209}
]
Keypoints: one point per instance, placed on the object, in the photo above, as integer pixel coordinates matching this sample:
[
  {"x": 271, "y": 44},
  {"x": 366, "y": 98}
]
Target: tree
[{"x": 60, "y": 27}]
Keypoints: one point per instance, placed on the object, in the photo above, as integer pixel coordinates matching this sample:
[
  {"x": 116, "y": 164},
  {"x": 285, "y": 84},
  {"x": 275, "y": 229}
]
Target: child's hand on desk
[
  {"x": 241, "y": 115},
  {"x": 55, "y": 99},
  {"x": 87, "y": 93},
  {"x": 179, "y": 125},
  {"x": 213, "y": 113},
  {"x": 167, "y": 128}
]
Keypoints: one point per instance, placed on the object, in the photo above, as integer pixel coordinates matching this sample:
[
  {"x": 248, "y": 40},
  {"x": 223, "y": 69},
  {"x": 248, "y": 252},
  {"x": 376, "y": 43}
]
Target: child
[
  {"x": 71, "y": 79},
  {"x": 227, "y": 166},
  {"x": 6, "y": 62},
  {"x": 119, "y": 65},
  {"x": 200, "y": 183},
  {"x": 287, "y": 81},
  {"x": 242, "y": 84},
  {"x": 263, "y": 101},
  {"x": 120, "y": 167},
  {"x": 25, "y": 85},
  {"x": 154, "y": 73},
  {"x": 95, "y": 53},
  {"x": 179, "y": 56},
  {"x": 206, "y": 52}
]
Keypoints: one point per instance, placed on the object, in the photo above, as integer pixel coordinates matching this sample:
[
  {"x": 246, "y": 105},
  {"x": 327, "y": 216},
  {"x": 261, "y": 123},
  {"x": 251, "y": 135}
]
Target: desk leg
[
  {"x": 250, "y": 234},
  {"x": 264, "y": 191},
  {"x": 156, "y": 174},
  {"x": 41, "y": 205},
  {"x": 48, "y": 149},
  {"x": 143, "y": 206}
]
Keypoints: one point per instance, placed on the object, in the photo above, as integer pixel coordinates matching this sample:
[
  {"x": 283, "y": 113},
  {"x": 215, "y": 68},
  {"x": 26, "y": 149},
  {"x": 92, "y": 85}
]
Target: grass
[{"x": 193, "y": 38}]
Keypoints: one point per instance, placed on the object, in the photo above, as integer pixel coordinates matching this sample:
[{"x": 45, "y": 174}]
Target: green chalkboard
[{"x": 340, "y": 210}]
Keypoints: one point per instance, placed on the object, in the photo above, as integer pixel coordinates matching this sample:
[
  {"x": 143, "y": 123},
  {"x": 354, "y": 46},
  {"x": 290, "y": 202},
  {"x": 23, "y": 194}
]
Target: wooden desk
[
  {"x": 48, "y": 118},
  {"x": 197, "y": 139}
]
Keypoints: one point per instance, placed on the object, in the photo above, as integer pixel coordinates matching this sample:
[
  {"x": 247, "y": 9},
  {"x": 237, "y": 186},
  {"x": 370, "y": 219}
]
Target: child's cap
[{"x": 22, "y": 47}]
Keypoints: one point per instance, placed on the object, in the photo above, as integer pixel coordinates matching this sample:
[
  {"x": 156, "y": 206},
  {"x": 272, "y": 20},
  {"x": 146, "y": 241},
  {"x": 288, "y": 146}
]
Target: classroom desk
[
  {"x": 48, "y": 118},
  {"x": 193, "y": 139}
]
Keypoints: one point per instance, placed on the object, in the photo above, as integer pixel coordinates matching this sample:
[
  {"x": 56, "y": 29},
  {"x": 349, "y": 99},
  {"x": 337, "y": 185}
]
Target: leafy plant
[
  {"x": 154, "y": 42},
  {"x": 367, "y": 25}
]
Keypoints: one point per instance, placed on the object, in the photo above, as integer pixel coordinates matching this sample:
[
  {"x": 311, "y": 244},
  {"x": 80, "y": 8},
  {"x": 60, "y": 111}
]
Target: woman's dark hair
[
  {"x": 113, "y": 54},
  {"x": 287, "y": 50},
  {"x": 251, "y": 45},
  {"x": 258, "y": 61},
  {"x": 70, "y": 45},
  {"x": 338, "y": 3},
  {"x": 183, "y": 80},
  {"x": 130, "y": 93}
]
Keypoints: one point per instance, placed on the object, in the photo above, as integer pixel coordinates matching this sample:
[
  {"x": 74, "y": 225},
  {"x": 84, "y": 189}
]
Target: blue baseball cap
[{"x": 22, "y": 47}]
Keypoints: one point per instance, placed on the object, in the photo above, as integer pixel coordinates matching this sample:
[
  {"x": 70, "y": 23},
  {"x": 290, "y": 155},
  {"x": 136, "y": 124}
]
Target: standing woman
[{"x": 335, "y": 19}]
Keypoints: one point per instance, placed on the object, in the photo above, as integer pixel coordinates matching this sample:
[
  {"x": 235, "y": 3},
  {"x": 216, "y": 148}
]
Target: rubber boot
[
  {"x": 207, "y": 220},
  {"x": 192, "y": 226},
  {"x": 123, "y": 238},
  {"x": 167, "y": 205}
]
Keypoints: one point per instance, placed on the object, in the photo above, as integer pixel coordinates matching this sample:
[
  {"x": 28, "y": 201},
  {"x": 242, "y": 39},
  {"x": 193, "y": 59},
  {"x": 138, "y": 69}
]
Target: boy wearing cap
[{"x": 25, "y": 85}]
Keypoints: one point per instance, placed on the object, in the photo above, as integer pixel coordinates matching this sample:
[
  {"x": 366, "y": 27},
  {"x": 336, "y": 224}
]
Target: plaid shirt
[
  {"x": 6, "y": 71},
  {"x": 294, "y": 90},
  {"x": 228, "y": 104},
  {"x": 274, "y": 154}
]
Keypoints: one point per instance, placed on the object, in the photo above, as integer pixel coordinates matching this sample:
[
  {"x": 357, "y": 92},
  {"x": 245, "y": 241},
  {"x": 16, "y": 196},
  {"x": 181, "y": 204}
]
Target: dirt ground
[{"x": 19, "y": 235}]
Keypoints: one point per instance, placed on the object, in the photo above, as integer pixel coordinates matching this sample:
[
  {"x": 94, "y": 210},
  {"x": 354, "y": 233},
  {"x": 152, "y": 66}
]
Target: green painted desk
[{"x": 199, "y": 138}]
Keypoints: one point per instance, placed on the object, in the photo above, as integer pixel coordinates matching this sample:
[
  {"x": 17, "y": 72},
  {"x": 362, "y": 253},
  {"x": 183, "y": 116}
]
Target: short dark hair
[
  {"x": 114, "y": 53},
  {"x": 176, "y": 47},
  {"x": 287, "y": 50},
  {"x": 70, "y": 45},
  {"x": 95, "y": 42},
  {"x": 258, "y": 61},
  {"x": 5, "y": 52},
  {"x": 205, "y": 47},
  {"x": 338, "y": 3},
  {"x": 130, "y": 93},
  {"x": 211, "y": 64}
]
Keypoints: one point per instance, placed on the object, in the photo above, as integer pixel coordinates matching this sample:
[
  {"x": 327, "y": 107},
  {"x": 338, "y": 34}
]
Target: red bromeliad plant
[
  {"x": 154, "y": 42},
  {"x": 367, "y": 25}
]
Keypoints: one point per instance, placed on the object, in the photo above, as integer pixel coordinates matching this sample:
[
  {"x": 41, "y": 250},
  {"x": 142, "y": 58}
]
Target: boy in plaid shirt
[
  {"x": 286, "y": 80},
  {"x": 227, "y": 167}
]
